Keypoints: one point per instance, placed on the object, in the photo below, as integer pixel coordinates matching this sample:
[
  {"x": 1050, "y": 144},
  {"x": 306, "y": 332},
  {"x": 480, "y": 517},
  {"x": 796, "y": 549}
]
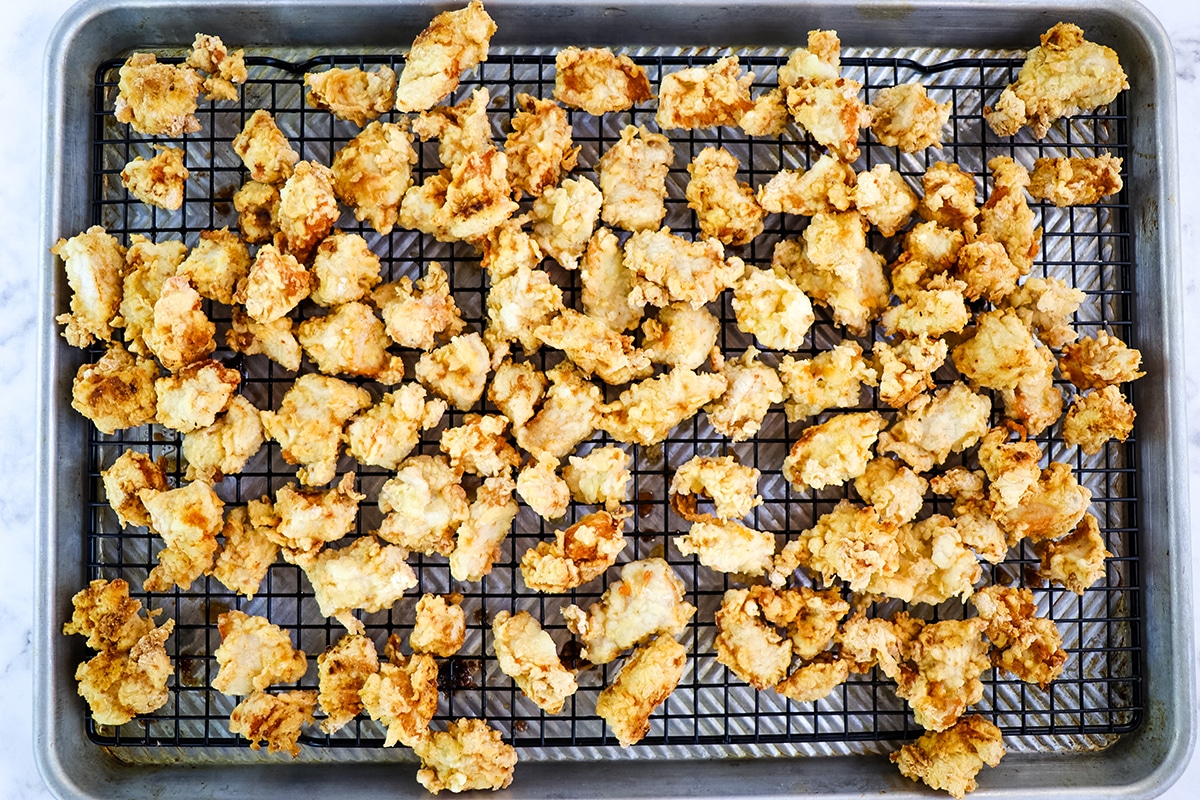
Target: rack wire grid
[{"x": 1097, "y": 698}]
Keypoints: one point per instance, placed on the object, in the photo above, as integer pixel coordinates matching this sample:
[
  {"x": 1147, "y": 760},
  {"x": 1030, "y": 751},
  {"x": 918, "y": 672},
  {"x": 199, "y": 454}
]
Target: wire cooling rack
[{"x": 1098, "y": 697}]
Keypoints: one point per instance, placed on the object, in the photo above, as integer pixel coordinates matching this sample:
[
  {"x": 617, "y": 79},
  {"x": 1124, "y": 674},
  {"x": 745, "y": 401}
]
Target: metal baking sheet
[{"x": 720, "y": 722}]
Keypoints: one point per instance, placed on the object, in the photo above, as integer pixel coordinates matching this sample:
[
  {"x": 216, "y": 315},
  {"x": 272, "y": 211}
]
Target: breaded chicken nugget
[
  {"x": 487, "y": 526},
  {"x": 646, "y": 679},
  {"x": 469, "y": 755},
  {"x": 246, "y": 555},
  {"x": 342, "y": 670},
  {"x": 539, "y": 147},
  {"x": 597, "y": 81},
  {"x": 352, "y": 94},
  {"x": 725, "y": 209},
  {"x": 130, "y": 475},
  {"x": 95, "y": 266},
  {"x": 158, "y": 181},
  {"x": 364, "y": 575},
  {"x": 216, "y": 264},
  {"x": 188, "y": 519},
  {"x": 116, "y": 392},
  {"x": 158, "y": 99},
  {"x": 308, "y": 208},
  {"x": 752, "y": 388},
  {"x": 192, "y": 398},
  {"x": 577, "y": 555},
  {"x": 265, "y": 151},
  {"x": 633, "y": 179},
  {"x": 646, "y": 412},
  {"x": 704, "y": 97},
  {"x": 254, "y": 654},
  {"x": 308, "y": 424},
  {"x": 351, "y": 340},
  {"x": 372, "y": 172},
  {"x": 388, "y": 431},
  {"x": 424, "y": 504},
  {"x": 276, "y": 284},
  {"x": 440, "y": 626},
  {"x": 949, "y": 760},
  {"x": 904, "y": 116},
  {"x": 527, "y": 654},
  {"x": 457, "y": 370},
  {"x": 454, "y": 42}
]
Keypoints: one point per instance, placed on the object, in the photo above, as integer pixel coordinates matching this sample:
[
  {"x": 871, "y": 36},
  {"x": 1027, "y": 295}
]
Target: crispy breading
[
  {"x": 246, "y": 554},
  {"x": 831, "y": 111},
  {"x": 904, "y": 116},
  {"x": 342, "y": 670},
  {"x": 216, "y": 264},
  {"x": 95, "y": 267},
  {"x": 645, "y": 602},
  {"x": 372, "y": 172},
  {"x": 595, "y": 348},
  {"x": 932, "y": 312},
  {"x": 469, "y": 755},
  {"x": 906, "y": 367},
  {"x": 352, "y": 93},
  {"x": 275, "y": 339},
  {"x": 1046, "y": 306},
  {"x": 308, "y": 209},
  {"x": 192, "y": 398},
  {"x": 747, "y": 642},
  {"x": 457, "y": 370},
  {"x": 209, "y": 54},
  {"x": 1001, "y": 353},
  {"x": 124, "y": 481},
  {"x": 1006, "y": 215},
  {"x": 646, "y": 679},
  {"x": 1103, "y": 360},
  {"x": 483, "y": 532},
  {"x": 275, "y": 719},
  {"x": 826, "y": 187},
  {"x": 984, "y": 266},
  {"x": 932, "y": 426},
  {"x": 388, "y": 431},
  {"x": 403, "y": 695},
  {"x": 646, "y": 412},
  {"x": 540, "y": 486},
  {"x": 1064, "y": 76},
  {"x": 225, "y": 446},
  {"x": 182, "y": 333},
  {"x": 539, "y": 146},
  {"x": 1094, "y": 419},
  {"x": 769, "y": 117},
  {"x": 811, "y": 617},
  {"x": 884, "y": 199},
  {"x": 949, "y": 760},
  {"x": 600, "y": 478},
  {"x": 1050, "y": 509},
  {"x": 343, "y": 270},
  {"x": 303, "y": 520},
  {"x": 419, "y": 317},
  {"x": 669, "y": 269},
  {"x": 935, "y": 245},
  {"x": 158, "y": 99},
  {"x": 732, "y": 487},
  {"x": 424, "y": 504},
  {"x": 1011, "y": 468},
  {"x": 1077, "y": 560},
  {"x": 351, "y": 341},
  {"x": 577, "y": 555},
  {"x": 935, "y": 564},
  {"x": 831, "y": 379},
  {"x": 119, "y": 684},
  {"x": 633, "y": 179},
  {"x": 564, "y": 217},
  {"x": 868, "y": 643},
  {"x": 726, "y": 210},
  {"x": 454, "y": 42},
  {"x": 704, "y": 97},
  {"x": 265, "y": 151},
  {"x": 1028, "y": 646},
  {"x": 596, "y": 80},
  {"x": 752, "y": 388},
  {"x": 308, "y": 424},
  {"x": 772, "y": 308},
  {"x": 109, "y": 618},
  {"x": 895, "y": 491},
  {"x": 680, "y": 336},
  {"x": 440, "y": 626},
  {"x": 1075, "y": 181},
  {"x": 477, "y": 197},
  {"x": 507, "y": 248},
  {"x": 833, "y": 452},
  {"x": 479, "y": 446},
  {"x": 607, "y": 283},
  {"x": 570, "y": 413},
  {"x": 851, "y": 542},
  {"x": 814, "y": 680},
  {"x": 116, "y": 392},
  {"x": 188, "y": 519},
  {"x": 946, "y": 659},
  {"x": 728, "y": 546},
  {"x": 257, "y": 205},
  {"x": 365, "y": 575},
  {"x": 254, "y": 654},
  {"x": 148, "y": 267},
  {"x": 949, "y": 197},
  {"x": 517, "y": 389},
  {"x": 276, "y": 284},
  {"x": 528, "y": 655},
  {"x": 519, "y": 304},
  {"x": 422, "y": 207},
  {"x": 158, "y": 181}
]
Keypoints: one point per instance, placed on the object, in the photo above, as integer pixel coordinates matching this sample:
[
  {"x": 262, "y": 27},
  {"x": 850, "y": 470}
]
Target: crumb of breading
[
  {"x": 830, "y": 379},
  {"x": 265, "y": 151},
  {"x": 753, "y": 387},
  {"x": 949, "y": 197},
  {"x": 1000, "y": 354},
  {"x": 257, "y": 205},
  {"x": 704, "y": 97},
  {"x": 1077, "y": 560},
  {"x": 884, "y": 199},
  {"x": 946, "y": 659},
  {"x": 732, "y": 487},
  {"x": 772, "y": 308},
  {"x": 1075, "y": 181},
  {"x": 158, "y": 99},
  {"x": 1103, "y": 360},
  {"x": 935, "y": 564},
  {"x": 254, "y": 654},
  {"x": 1028, "y": 646},
  {"x": 457, "y": 370},
  {"x": 440, "y": 626},
  {"x": 372, "y": 172},
  {"x": 303, "y": 520},
  {"x": 479, "y": 445},
  {"x": 192, "y": 398},
  {"x": 680, "y": 336},
  {"x": 468, "y": 756},
  {"x": 365, "y": 575},
  {"x": 1065, "y": 75},
  {"x": 769, "y": 117},
  {"x": 595, "y": 348},
  {"x": 488, "y": 523},
  {"x": 1006, "y": 215},
  {"x": 646, "y": 679},
  {"x": 904, "y": 116},
  {"x": 188, "y": 519},
  {"x": 419, "y": 317},
  {"x": 949, "y": 760},
  {"x": 570, "y": 413},
  {"x": 275, "y": 719},
  {"x": 274, "y": 339},
  {"x": 424, "y": 504},
  {"x": 669, "y": 269},
  {"x": 477, "y": 197},
  {"x": 633, "y": 179},
  {"x": 403, "y": 696},
  {"x": 834, "y": 451},
  {"x": 539, "y": 146},
  {"x": 1050, "y": 509},
  {"x": 109, "y": 618},
  {"x": 351, "y": 340},
  {"x": 517, "y": 388},
  {"x": 607, "y": 282},
  {"x": 598, "y": 81},
  {"x": 276, "y": 284},
  {"x": 130, "y": 475},
  {"x": 748, "y": 643},
  {"x": 507, "y": 248},
  {"x": 246, "y": 555},
  {"x": 343, "y": 270},
  {"x": 564, "y": 218},
  {"x": 600, "y": 478},
  {"x": 460, "y": 129},
  {"x": 814, "y": 680},
  {"x": 1096, "y": 418},
  {"x": 726, "y": 210},
  {"x": 226, "y": 70},
  {"x": 158, "y": 181},
  {"x": 149, "y": 266},
  {"x": 895, "y": 491},
  {"x": 388, "y": 431},
  {"x": 931, "y": 312},
  {"x": 831, "y": 111},
  {"x": 454, "y": 42},
  {"x": 578, "y": 553},
  {"x": 95, "y": 267},
  {"x": 308, "y": 424},
  {"x": 216, "y": 264},
  {"x": 308, "y": 208},
  {"x": 984, "y": 266},
  {"x": 540, "y": 486},
  {"x": 119, "y": 684},
  {"x": 342, "y": 670},
  {"x": 1046, "y": 306},
  {"x": 645, "y": 602},
  {"x": 116, "y": 392},
  {"x": 519, "y": 304},
  {"x": 728, "y": 546},
  {"x": 527, "y": 654},
  {"x": 906, "y": 367},
  {"x": 851, "y": 542},
  {"x": 828, "y": 186},
  {"x": 353, "y": 93},
  {"x": 932, "y": 426},
  {"x": 647, "y": 411}
]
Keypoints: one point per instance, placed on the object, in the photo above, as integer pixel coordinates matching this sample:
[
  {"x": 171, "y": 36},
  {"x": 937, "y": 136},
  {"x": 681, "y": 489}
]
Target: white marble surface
[{"x": 24, "y": 30}]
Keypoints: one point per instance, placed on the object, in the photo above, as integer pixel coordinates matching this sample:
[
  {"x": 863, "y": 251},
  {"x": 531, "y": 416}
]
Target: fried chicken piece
[
  {"x": 424, "y": 504},
  {"x": 308, "y": 425},
  {"x": 422, "y": 316},
  {"x": 946, "y": 660},
  {"x": 1066, "y": 75},
  {"x": 949, "y": 198},
  {"x": 570, "y": 413},
  {"x": 386, "y": 433},
  {"x": 647, "y": 601},
  {"x": 669, "y": 269},
  {"x": 564, "y": 218},
  {"x": 192, "y": 398},
  {"x": 645, "y": 681},
  {"x": 158, "y": 181},
  {"x": 226, "y": 70},
  {"x": 109, "y": 618},
  {"x": 224, "y": 447},
  {"x": 1000, "y": 354},
  {"x": 188, "y": 519},
  {"x": 932, "y": 312},
  {"x": 119, "y": 684},
  {"x": 517, "y": 389},
  {"x": 1046, "y": 306},
  {"x": 814, "y": 680},
  {"x": 577, "y": 555},
  {"x": 365, "y": 575},
  {"x": 422, "y": 207},
  {"x": 680, "y": 336},
  {"x": 1075, "y": 561},
  {"x": 595, "y": 348},
  {"x": 543, "y": 490},
  {"x": 884, "y": 199},
  {"x": 811, "y": 618},
  {"x": 704, "y": 97},
  {"x": 158, "y": 99},
  {"x": 753, "y": 387},
  {"x": 308, "y": 208},
  {"x": 1096, "y": 418},
  {"x": 633, "y": 179},
  {"x": 477, "y": 198},
  {"x": 254, "y": 654},
  {"x": 867, "y": 643},
  {"x": 528, "y": 655},
  {"x": 949, "y": 760},
  {"x": 216, "y": 264},
  {"x": 904, "y": 116},
  {"x": 596, "y": 80},
  {"x": 1028, "y": 646},
  {"x": 116, "y": 392},
  {"x": 275, "y": 719},
  {"x": 769, "y": 117},
  {"x": 831, "y": 111},
  {"x": 303, "y": 520},
  {"x": 479, "y": 446},
  {"x": 851, "y": 542},
  {"x": 130, "y": 475},
  {"x": 728, "y": 546},
  {"x": 732, "y": 487},
  {"x": 1035, "y": 403},
  {"x": 403, "y": 695},
  {"x": 1011, "y": 468},
  {"x": 1094, "y": 363},
  {"x": 820, "y": 60},
  {"x": 831, "y": 379},
  {"x": 507, "y": 248},
  {"x": 834, "y": 451},
  {"x": 454, "y": 42},
  {"x": 460, "y": 129},
  {"x": 182, "y": 333},
  {"x": 539, "y": 146},
  {"x": 519, "y": 304},
  {"x": 95, "y": 267},
  {"x": 906, "y": 367},
  {"x": 342, "y": 670},
  {"x": 726, "y": 210},
  {"x": 372, "y": 172},
  {"x": 647, "y": 411},
  {"x": 483, "y": 532},
  {"x": 931, "y": 427},
  {"x": 935, "y": 564},
  {"x": 600, "y": 478},
  {"x": 607, "y": 283},
  {"x": 825, "y": 188},
  {"x": 351, "y": 341},
  {"x": 352, "y": 94},
  {"x": 1006, "y": 215},
  {"x": 748, "y": 643},
  {"x": 772, "y": 308},
  {"x": 276, "y": 284},
  {"x": 468, "y": 756},
  {"x": 257, "y": 205},
  {"x": 440, "y": 627},
  {"x": 1050, "y": 509},
  {"x": 275, "y": 339},
  {"x": 895, "y": 491},
  {"x": 1075, "y": 181},
  {"x": 265, "y": 151},
  {"x": 344, "y": 270},
  {"x": 148, "y": 267},
  {"x": 246, "y": 555},
  {"x": 457, "y": 370},
  {"x": 984, "y": 266}
]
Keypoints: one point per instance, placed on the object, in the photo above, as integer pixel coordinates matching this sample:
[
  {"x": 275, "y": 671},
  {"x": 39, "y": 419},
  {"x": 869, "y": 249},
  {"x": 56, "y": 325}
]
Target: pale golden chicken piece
[
  {"x": 949, "y": 198},
  {"x": 1011, "y": 468},
  {"x": 814, "y": 680},
  {"x": 647, "y": 411},
  {"x": 1007, "y": 217},
  {"x": 595, "y": 348},
  {"x": 224, "y": 447},
  {"x": 1001, "y": 354},
  {"x": 876, "y": 642},
  {"x": 158, "y": 181},
  {"x": 1046, "y": 306},
  {"x": 353, "y": 93},
  {"x": 726, "y": 210},
  {"x": 1050, "y": 509},
  {"x": 934, "y": 244},
  {"x": 645, "y": 681},
  {"x": 479, "y": 446},
  {"x": 301, "y": 521},
  {"x": 1029, "y": 646},
  {"x": 747, "y": 641},
  {"x": 826, "y": 187},
  {"x": 539, "y": 146},
  {"x": 769, "y": 117},
  {"x": 932, "y": 426},
  {"x": 188, "y": 519},
  {"x": 732, "y": 487},
  {"x": 130, "y": 475},
  {"x": 403, "y": 695},
  {"x": 833, "y": 452},
  {"x": 984, "y": 266},
  {"x": 704, "y": 97},
  {"x": 518, "y": 305},
  {"x": 226, "y": 70},
  {"x": 158, "y": 99},
  {"x": 831, "y": 111},
  {"x": 851, "y": 543},
  {"x": 440, "y": 627},
  {"x": 1100, "y": 361},
  {"x": 517, "y": 389},
  {"x": 457, "y": 370},
  {"x": 216, "y": 264},
  {"x": 540, "y": 486},
  {"x": 422, "y": 207},
  {"x": 669, "y": 269},
  {"x": 344, "y": 270},
  {"x": 1075, "y": 181},
  {"x": 1066, "y": 75},
  {"x": 254, "y": 654},
  {"x": 308, "y": 209},
  {"x": 811, "y": 617},
  {"x": 607, "y": 283},
  {"x": 1077, "y": 560},
  {"x": 949, "y": 760},
  {"x": 600, "y": 478},
  {"x": 276, "y": 284},
  {"x": 119, "y": 684},
  {"x": 1036, "y": 402},
  {"x": 596, "y": 80},
  {"x": 419, "y": 316},
  {"x": 309, "y": 422},
  {"x": 935, "y": 564},
  {"x": 772, "y": 308},
  {"x": 728, "y": 546},
  {"x": 680, "y": 336},
  {"x": 467, "y": 756},
  {"x": 191, "y": 398},
  {"x": 647, "y": 601},
  {"x": 95, "y": 267},
  {"x": 454, "y": 42},
  {"x": 365, "y": 575},
  {"x": 351, "y": 340},
  {"x": 246, "y": 554},
  {"x": 257, "y": 206},
  {"x": 507, "y": 248},
  {"x": 819, "y": 60},
  {"x": 384, "y": 434},
  {"x": 633, "y": 179},
  {"x": 483, "y": 532},
  {"x": 884, "y": 199},
  {"x": 265, "y": 151},
  {"x": 895, "y": 491},
  {"x": 149, "y": 266},
  {"x": 904, "y": 116},
  {"x": 460, "y": 129},
  {"x": 578, "y": 554},
  {"x": 109, "y": 618},
  {"x": 275, "y": 339},
  {"x": 906, "y": 367},
  {"x": 372, "y": 172},
  {"x": 942, "y": 678},
  {"x": 752, "y": 388},
  {"x": 563, "y": 219},
  {"x": 342, "y": 671},
  {"x": 1096, "y": 418},
  {"x": 476, "y": 200},
  {"x": 424, "y": 504},
  {"x": 931, "y": 312},
  {"x": 570, "y": 414},
  {"x": 527, "y": 654},
  {"x": 116, "y": 392},
  {"x": 275, "y": 719},
  {"x": 831, "y": 379}
]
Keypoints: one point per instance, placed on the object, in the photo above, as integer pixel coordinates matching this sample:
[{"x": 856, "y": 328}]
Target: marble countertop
[{"x": 24, "y": 31}]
